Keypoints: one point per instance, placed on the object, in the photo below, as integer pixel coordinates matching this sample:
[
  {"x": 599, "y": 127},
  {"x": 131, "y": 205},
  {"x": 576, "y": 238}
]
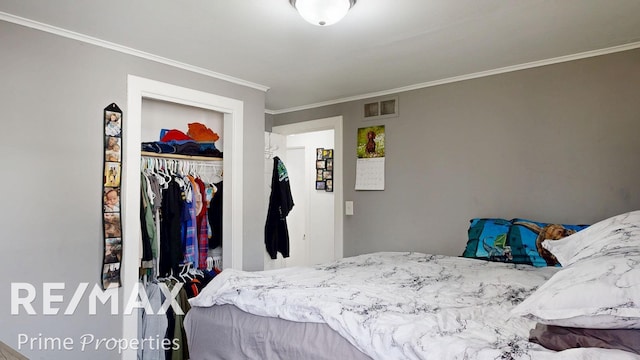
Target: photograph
[
  {"x": 327, "y": 174},
  {"x": 321, "y": 164},
  {"x": 319, "y": 152},
  {"x": 113, "y": 126},
  {"x": 371, "y": 142},
  {"x": 329, "y": 186},
  {"x": 320, "y": 185},
  {"x": 113, "y": 250},
  {"x": 112, "y": 149},
  {"x": 329, "y": 164},
  {"x": 319, "y": 175},
  {"x": 112, "y": 174},
  {"x": 112, "y": 227},
  {"x": 327, "y": 153},
  {"x": 111, "y": 199},
  {"x": 111, "y": 275}
]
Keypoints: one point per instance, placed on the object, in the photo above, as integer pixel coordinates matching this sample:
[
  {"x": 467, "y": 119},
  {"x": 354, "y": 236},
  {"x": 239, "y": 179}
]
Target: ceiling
[{"x": 380, "y": 46}]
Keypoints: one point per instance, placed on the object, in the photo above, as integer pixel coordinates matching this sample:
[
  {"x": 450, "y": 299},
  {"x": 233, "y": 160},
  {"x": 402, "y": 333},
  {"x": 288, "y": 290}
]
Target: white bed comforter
[{"x": 403, "y": 305}]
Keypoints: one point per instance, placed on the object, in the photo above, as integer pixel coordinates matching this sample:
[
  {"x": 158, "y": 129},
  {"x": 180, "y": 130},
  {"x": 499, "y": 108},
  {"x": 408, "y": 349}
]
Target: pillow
[
  {"x": 561, "y": 338},
  {"x": 616, "y": 234},
  {"x": 597, "y": 293},
  {"x": 525, "y": 238},
  {"x": 487, "y": 239}
]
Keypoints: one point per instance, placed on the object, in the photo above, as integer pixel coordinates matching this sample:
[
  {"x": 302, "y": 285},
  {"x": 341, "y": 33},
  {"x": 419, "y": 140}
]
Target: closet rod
[{"x": 180, "y": 157}]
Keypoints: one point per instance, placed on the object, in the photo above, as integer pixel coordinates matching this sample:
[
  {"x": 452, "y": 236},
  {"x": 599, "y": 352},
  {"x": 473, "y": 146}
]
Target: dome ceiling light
[{"x": 322, "y": 12}]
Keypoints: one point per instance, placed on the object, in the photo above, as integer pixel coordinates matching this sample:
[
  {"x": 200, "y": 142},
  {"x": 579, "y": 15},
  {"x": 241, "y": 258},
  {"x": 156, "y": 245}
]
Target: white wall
[{"x": 157, "y": 115}]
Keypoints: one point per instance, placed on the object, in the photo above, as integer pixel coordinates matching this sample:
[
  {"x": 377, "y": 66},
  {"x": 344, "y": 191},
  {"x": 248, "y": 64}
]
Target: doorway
[{"x": 316, "y": 221}]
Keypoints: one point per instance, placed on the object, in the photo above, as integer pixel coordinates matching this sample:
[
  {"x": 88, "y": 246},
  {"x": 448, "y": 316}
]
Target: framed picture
[
  {"x": 326, "y": 175},
  {"x": 321, "y": 164},
  {"x": 329, "y": 186},
  {"x": 319, "y": 174},
  {"x": 327, "y": 154},
  {"x": 329, "y": 164},
  {"x": 319, "y": 153},
  {"x": 320, "y": 185}
]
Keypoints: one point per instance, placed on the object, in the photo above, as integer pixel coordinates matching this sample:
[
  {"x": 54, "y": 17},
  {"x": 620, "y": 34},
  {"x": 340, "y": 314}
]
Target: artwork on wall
[
  {"x": 112, "y": 177},
  {"x": 324, "y": 169},
  {"x": 370, "y": 163}
]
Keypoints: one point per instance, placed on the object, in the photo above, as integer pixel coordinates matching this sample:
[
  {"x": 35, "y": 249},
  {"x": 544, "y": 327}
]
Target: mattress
[
  {"x": 386, "y": 305},
  {"x": 226, "y": 332}
]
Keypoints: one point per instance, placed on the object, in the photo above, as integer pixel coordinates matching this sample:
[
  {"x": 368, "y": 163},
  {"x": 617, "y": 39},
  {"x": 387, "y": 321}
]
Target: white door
[{"x": 297, "y": 219}]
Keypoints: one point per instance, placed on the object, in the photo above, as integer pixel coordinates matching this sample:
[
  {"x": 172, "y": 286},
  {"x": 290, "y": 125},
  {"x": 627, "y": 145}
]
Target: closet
[
  {"x": 181, "y": 190},
  {"x": 142, "y": 126}
]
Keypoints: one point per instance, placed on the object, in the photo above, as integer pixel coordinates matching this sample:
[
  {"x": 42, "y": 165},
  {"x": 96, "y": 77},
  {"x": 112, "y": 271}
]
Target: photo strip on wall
[
  {"x": 112, "y": 177},
  {"x": 324, "y": 169}
]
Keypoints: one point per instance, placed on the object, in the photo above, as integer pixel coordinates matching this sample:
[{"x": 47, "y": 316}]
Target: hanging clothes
[
  {"x": 215, "y": 217},
  {"x": 171, "y": 253},
  {"x": 276, "y": 234}
]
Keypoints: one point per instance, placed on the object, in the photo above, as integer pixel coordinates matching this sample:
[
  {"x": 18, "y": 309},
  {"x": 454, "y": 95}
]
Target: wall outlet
[{"x": 348, "y": 207}]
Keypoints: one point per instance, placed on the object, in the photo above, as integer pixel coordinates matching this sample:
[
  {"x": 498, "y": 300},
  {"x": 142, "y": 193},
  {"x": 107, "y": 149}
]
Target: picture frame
[
  {"x": 327, "y": 154},
  {"x": 328, "y": 186},
  {"x": 319, "y": 153},
  {"x": 321, "y": 164},
  {"x": 329, "y": 164},
  {"x": 319, "y": 175},
  {"x": 320, "y": 185},
  {"x": 327, "y": 175}
]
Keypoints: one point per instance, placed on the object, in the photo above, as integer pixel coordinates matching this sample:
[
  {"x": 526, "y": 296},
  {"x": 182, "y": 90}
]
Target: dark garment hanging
[
  {"x": 214, "y": 215},
  {"x": 147, "y": 254},
  {"x": 171, "y": 254},
  {"x": 276, "y": 234}
]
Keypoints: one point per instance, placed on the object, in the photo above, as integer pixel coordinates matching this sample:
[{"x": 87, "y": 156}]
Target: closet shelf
[{"x": 178, "y": 156}]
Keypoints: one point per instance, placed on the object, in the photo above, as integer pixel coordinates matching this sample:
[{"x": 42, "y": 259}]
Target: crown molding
[
  {"x": 124, "y": 49},
  {"x": 506, "y": 69}
]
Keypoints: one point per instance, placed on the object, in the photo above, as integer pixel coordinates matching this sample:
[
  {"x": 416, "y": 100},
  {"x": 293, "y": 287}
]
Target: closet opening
[{"x": 231, "y": 112}]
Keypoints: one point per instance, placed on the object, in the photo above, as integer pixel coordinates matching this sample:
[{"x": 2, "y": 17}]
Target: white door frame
[
  {"x": 334, "y": 123},
  {"x": 137, "y": 89}
]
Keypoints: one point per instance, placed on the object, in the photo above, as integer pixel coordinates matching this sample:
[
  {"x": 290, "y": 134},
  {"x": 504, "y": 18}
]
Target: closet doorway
[
  {"x": 232, "y": 110},
  {"x": 316, "y": 235}
]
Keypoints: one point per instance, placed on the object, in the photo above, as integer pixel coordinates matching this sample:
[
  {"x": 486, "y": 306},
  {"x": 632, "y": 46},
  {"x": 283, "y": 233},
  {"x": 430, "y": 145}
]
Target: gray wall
[
  {"x": 52, "y": 94},
  {"x": 557, "y": 143}
]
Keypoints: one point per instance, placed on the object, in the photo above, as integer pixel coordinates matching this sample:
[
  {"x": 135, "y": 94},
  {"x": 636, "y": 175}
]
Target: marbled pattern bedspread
[{"x": 402, "y": 305}]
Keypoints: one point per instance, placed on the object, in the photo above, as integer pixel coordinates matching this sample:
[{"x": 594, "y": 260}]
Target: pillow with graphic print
[
  {"x": 487, "y": 239},
  {"x": 525, "y": 239},
  {"x": 617, "y": 234},
  {"x": 593, "y": 293}
]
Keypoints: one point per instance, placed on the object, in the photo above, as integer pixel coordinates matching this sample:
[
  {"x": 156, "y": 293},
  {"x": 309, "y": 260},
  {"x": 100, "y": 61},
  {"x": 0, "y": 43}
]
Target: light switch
[{"x": 348, "y": 207}]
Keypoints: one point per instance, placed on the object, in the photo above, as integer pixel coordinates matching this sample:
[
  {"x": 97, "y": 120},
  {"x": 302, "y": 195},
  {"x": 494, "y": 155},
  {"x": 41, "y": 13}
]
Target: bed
[{"x": 407, "y": 305}]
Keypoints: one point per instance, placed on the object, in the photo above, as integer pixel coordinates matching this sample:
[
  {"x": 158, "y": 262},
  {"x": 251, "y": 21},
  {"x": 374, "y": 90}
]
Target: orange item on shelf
[{"x": 201, "y": 133}]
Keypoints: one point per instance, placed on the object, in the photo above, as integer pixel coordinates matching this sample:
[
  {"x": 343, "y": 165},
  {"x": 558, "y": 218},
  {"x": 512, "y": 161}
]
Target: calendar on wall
[{"x": 370, "y": 162}]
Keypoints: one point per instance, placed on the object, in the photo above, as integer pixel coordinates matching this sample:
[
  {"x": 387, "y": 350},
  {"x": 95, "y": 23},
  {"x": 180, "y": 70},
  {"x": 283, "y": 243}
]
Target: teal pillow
[
  {"x": 487, "y": 239},
  {"x": 525, "y": 240}
]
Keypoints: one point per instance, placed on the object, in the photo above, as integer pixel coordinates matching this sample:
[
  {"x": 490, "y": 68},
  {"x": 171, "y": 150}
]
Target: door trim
[{"x": 334, "y": 123}]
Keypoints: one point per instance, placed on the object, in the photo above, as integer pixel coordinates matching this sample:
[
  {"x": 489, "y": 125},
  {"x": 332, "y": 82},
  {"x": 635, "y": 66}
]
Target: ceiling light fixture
[{"x": 323, "y": 12}]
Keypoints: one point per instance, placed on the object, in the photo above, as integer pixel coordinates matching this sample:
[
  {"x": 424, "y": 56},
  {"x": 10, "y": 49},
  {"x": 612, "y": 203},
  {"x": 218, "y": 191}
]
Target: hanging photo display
[
  {"x": 324, "y": 169},
  {"x": 112, "y": 175}
]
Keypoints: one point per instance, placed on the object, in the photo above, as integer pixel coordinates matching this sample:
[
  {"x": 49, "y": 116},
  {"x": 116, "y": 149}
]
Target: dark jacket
[{"x": 276, "y": 234}]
